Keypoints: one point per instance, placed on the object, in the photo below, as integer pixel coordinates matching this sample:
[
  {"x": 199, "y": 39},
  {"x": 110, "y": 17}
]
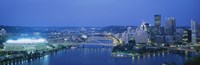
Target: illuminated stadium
[
  {"x": 29, "y": 41},
  {"x": 25, "y": 45}
]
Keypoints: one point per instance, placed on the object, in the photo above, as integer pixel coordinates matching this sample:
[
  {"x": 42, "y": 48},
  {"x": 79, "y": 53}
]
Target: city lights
[{"x": 27, "y": 41}]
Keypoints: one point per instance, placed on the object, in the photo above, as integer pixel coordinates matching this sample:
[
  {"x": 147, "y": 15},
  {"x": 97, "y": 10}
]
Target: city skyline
[
  {"x": 99, "y": 32},
  {"x": 96, "y": 13}
]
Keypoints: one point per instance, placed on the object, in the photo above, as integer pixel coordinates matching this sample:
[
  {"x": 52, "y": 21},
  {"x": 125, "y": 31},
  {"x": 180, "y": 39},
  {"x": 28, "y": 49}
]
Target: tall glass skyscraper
[
  {"x": 170, "y": 26},
  {"x": 194, "y": 31},
  {"x": 157, "y": 23}
]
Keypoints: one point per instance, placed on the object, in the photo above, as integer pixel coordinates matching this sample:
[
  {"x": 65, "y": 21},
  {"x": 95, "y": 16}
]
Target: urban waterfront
[
  {"x": 96, "y": 55},
  {"x": 99, "y": 32}
]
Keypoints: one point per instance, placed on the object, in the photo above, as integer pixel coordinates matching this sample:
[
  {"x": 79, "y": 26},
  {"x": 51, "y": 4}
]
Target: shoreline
[{"x": 29, "y": 57}]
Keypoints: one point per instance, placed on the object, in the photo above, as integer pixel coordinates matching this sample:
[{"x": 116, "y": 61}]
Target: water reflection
[
  {"x": 46, "y": 60},
  {"x": 102, "y": 56}
]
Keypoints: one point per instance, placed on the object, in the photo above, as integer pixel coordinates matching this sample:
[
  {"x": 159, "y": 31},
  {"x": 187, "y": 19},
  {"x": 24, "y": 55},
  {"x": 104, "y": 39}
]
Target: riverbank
[
  {"x": 131, "y": 50},
  {"x": 102, "y": 56},
  {"x": 11, "y": 57}
]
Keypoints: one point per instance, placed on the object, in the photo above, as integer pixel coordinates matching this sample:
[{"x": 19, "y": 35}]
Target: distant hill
[
  {"x": 115, "y": 29},
  {"x": 23, "y": 29}
]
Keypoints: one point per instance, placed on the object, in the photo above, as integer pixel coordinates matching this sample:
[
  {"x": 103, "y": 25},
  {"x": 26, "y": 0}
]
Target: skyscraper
[
  {"x": 3, "y": 36},
  {"x": 141, "y": 36},
  {"x": 130, "y": 33},
  {"x": 129, "y": 30},
  {"x": 145, "y": 26},
  {"x": 170, "y": 26},
  {"x": 186, "y": 36},
  {"x": 198, "y": 30},
  {"x": 157, "y": 23},
  {"x": 194, "y": 31},
  {"x": 2, "y": 32},
  {"x": 125, "y": 37}
]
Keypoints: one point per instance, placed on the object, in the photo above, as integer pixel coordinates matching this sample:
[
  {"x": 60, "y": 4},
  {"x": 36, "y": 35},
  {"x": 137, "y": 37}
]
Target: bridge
[
  {"x": 103, "y": 39},
  {"x": 100, "y": 44}
]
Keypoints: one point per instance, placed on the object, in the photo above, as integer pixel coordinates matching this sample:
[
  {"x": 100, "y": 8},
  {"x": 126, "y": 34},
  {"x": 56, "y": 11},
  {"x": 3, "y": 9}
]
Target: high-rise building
[
  {"x": 169, "y": 39},
  {"x": 125, "y": 37},
  {"x": 179, "y": 34},
  {"x": 145, "y": 26},
  {"x": 130, "y": 33},
  {"x": 157, "y": 24},
  {"x": 198, "y": 33},
  {"x": 198, "y": 30},
  {"x": 141, "y": 36},
  {"x": 170, "y": 26},
  {"x": 129, "y": 30},
  {"x": 2, "y": 32},
  {"x": 159, "y": 39},
  {"x": 194, "y": 31},
  {"x": 186, "y": 36},
  {"x": 3, "y": 36}
]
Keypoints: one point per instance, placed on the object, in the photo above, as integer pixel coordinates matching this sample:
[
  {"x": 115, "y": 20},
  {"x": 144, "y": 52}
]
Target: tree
[
  {"x": 3, "y": 39},
  {"x": 193, "y": 61},
  {"x": 131, "y": 42}
]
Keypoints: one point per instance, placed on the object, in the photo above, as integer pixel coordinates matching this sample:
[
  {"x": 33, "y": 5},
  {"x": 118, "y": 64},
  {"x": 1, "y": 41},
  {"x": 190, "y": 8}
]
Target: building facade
[
  {"x": 186, "y": 36},
  {"x": 194, "y": 31},
  {"x": 170, "y": 26},
  {"x": 157, "y": 24}
]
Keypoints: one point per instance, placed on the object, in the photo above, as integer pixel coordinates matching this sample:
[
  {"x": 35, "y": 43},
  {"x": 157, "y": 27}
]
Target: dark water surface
[{"x": 102, "y": 56}]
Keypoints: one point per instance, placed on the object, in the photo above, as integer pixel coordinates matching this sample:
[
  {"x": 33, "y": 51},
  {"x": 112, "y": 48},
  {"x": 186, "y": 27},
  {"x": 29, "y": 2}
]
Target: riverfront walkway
[{"x": 179, "y": 49}]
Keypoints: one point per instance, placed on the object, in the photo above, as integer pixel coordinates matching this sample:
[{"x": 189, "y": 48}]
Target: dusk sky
[{"x": 95, "y": 12}]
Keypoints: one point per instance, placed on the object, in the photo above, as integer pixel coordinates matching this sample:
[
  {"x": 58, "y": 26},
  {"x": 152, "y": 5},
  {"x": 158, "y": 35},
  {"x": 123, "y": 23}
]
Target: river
[{"x": 97, "y": 55}]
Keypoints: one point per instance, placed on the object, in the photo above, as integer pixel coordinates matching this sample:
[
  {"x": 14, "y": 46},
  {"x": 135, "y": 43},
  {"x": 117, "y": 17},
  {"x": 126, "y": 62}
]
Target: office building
[
  {"x": 194, "y": 31},
  {"x": 2, "y": 32},
  {"x": 159, "y": 39},
  {"x": 186, "y": 36},
  {"x": 145, "y": 26},
  {"x": 125, "y": 37},
  {"x": 157, "y": 24},
  {"x": 170, "y": 26},
  {"x": 141, "y": 36}
]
